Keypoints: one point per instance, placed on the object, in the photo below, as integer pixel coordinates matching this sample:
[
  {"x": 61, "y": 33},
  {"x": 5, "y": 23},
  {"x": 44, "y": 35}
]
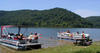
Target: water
[{"x": 52, "y": 32}]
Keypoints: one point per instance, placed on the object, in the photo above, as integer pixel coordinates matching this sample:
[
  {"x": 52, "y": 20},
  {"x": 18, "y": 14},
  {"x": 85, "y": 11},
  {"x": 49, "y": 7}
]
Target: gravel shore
[{"x": 52, "y": 42}]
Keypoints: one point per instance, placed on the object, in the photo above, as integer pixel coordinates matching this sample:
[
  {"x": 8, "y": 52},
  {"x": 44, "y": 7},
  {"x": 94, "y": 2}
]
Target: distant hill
[
  {"x": 95, "y": 20},
  {"x": 56, "y": 17}
]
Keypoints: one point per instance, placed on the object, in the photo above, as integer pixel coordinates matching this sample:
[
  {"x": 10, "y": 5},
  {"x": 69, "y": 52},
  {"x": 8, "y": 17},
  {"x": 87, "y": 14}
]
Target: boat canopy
[{"x": 5, "y": 26}]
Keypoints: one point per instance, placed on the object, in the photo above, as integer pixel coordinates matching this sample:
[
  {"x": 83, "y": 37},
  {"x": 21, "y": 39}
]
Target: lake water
[{"x": 52, "y": 32}]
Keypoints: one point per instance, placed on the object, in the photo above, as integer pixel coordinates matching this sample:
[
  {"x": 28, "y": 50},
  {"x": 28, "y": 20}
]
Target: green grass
[{"x": 94, "y": 48}]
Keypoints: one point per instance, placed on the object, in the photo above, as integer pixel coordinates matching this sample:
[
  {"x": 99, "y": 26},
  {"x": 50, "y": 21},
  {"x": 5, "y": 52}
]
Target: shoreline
[
  {"x": 62, "y": 44},
  {"x": 53, "y": 43}
]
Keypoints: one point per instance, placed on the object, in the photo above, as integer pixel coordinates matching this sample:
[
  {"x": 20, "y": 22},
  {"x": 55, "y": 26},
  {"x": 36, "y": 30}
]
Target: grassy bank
[{"x": 94, "y": 48}]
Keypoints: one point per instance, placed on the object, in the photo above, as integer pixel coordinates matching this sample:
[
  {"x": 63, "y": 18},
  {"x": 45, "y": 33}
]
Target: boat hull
[{"x": 15, "y": 45}]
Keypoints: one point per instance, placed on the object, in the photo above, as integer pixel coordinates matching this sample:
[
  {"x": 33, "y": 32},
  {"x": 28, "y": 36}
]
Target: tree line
[{"x": 56, "y": 17}]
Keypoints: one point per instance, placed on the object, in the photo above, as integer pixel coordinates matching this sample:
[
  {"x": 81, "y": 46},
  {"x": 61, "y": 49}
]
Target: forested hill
[
  {"x": 95, "y": 20},
  {"x": 56, "y": 17}
]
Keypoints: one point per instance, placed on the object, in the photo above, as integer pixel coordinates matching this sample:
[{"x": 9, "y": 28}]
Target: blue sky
[{"x": 82, "y": 7}]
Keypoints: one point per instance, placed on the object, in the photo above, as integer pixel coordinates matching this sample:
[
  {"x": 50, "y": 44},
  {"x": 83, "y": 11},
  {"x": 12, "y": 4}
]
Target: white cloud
[{"x": 86, "y": 13}]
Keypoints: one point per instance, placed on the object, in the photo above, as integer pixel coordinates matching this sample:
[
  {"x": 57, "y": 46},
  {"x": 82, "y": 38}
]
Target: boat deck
[{"x": 15, "y": 45}]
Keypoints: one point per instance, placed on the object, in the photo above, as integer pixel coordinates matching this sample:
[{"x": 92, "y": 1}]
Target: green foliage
[
  {"x": 95, "y": 20},
  {"x": 56, "y": 17}
]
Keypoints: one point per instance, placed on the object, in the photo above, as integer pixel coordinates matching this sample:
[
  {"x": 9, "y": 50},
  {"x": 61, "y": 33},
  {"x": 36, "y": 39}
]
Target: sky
[{"x": 84, "y": 8}]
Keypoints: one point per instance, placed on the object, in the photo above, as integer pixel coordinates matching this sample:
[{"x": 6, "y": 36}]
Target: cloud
[{"x": 86, "y": 13}]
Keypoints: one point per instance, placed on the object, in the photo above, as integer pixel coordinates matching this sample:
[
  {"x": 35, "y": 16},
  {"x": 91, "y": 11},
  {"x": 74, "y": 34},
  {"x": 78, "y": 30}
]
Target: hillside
[
  {"x": 56, "y": 17},
  {"x": 95, "y": 20}
]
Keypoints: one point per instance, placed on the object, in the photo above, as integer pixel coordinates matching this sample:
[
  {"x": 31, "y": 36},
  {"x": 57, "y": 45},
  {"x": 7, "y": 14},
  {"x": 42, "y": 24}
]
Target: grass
[{"x": 94, "y": 48}]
